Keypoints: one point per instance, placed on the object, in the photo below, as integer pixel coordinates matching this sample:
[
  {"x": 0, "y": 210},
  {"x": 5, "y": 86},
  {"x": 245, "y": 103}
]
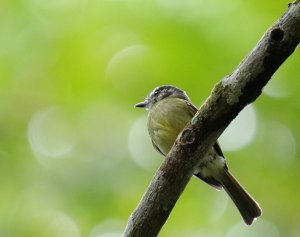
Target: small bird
[{"x": 170, "y": 109}]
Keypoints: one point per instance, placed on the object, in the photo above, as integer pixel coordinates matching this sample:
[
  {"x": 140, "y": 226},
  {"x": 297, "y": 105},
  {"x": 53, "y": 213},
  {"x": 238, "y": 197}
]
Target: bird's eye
[{"x": 155, "y": 92}]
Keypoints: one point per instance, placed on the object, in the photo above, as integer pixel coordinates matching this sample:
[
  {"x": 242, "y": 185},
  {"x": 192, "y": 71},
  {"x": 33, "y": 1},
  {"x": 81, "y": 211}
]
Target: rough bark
[{"x": 227, "y": 99}]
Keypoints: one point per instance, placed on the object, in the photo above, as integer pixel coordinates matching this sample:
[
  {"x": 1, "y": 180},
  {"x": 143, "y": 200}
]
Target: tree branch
[{"x": 228, "y": 98}]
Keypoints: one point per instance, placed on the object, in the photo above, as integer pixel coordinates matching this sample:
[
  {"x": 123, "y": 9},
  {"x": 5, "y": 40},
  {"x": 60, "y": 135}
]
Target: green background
[{"x": 75, "y": 157}]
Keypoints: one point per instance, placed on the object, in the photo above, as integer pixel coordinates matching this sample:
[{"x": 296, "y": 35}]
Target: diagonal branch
[{"x": 228, "y": 98}]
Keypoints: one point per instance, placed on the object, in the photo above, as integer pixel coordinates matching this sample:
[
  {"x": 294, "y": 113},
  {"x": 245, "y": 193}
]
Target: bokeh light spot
[
  {"x": 122, "y": 62},
  {"x": 110, "y": 234},
  {"x": 109, "y": 228},
  {"x": 50, "y": 134},
  {"x": 282, "y": 143},
  {"x": 62, "y": 225},
  {"x": 295, "y": 233},
  {"x": 276, "y": 88},
  {"x": 241, "y": 130},
  {"x": 221, "y": 203},
  {"x": 131, "y": 64},
  {"x": 103, "y": 135},
  {"x": 206, "y": 233},
  {"x": 261, "y": 228}
]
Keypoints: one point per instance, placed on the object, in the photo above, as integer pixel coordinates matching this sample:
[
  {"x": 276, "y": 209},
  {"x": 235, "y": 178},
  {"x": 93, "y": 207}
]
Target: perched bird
[{"x": 170, "y": 109}]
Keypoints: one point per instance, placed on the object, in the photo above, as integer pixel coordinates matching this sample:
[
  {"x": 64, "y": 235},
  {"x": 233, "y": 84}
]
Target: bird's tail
[{"x": 246, "y": 205}]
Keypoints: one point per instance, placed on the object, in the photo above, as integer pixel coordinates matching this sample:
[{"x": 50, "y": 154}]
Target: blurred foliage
[{"x": 75, "y": 154}]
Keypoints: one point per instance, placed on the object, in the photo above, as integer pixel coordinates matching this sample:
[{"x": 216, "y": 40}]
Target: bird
[{"x": 169, "y": 111}]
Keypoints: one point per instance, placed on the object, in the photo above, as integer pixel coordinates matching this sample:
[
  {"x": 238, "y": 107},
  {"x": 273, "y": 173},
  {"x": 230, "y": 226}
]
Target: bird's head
[{"x": 160, "y": 93}]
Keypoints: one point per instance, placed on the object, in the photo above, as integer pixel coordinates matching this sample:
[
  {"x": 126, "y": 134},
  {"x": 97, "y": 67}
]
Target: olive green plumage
[
  {"x": 162, "y": 127},
  {"x": 170, "y": 110}
]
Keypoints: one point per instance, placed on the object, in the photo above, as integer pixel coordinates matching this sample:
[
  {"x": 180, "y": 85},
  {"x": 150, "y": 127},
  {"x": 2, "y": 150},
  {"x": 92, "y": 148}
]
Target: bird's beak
[{"x": 141, "y": 104}]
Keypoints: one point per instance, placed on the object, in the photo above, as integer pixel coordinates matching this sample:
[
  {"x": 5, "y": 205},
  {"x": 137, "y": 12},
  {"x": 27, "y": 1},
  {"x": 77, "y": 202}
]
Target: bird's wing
[
  {"x": 209, "y": 180},
  {"x": 216, "y": 145},
  {"x": 192, "y": 107},
  {"x": 218, "y": 149},
  {"x": 156, "y": 148}
]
